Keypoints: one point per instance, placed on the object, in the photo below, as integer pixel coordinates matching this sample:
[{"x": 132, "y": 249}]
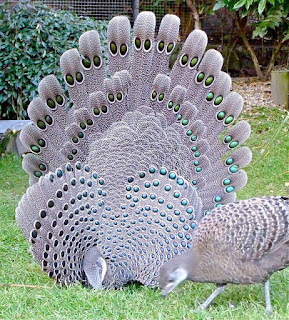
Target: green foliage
[
  {"x": 270, "y": 16},
  {"x": 32, "y": 39}
]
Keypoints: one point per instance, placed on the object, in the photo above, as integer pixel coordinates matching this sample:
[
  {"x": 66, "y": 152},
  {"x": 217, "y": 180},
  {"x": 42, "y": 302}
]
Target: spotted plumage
[
  {"x": 122, "y": 170},
  {"x": 242, "y": 242}
]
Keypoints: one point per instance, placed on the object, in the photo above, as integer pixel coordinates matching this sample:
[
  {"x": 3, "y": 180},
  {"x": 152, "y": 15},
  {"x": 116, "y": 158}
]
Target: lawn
[{"x": 268, "y": 175}]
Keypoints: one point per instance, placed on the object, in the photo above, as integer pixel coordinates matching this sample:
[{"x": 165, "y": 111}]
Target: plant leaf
[
  {"x": 261, "y": 6},
  {"x": 220, "y": 4},
  {"x": 239, "y": 4}
]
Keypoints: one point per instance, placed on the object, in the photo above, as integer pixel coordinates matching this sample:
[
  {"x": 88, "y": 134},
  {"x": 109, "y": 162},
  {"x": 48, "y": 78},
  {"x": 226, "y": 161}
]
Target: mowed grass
[{"x": 268, "y": 175}]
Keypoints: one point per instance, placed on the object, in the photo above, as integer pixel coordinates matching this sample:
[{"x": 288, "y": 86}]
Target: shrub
[
  {"x": 271, "y": 22},
  {"x": 32, "y": 38}
]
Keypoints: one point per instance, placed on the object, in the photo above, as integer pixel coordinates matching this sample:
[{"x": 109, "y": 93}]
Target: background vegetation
[
  {"x": 33, "y": 36},
  {"x": 32, "y": 39},
  {"x": 253, "y": 23},
  {"x": 270, "y": 20},
  {"x": 268, "y": 175}
]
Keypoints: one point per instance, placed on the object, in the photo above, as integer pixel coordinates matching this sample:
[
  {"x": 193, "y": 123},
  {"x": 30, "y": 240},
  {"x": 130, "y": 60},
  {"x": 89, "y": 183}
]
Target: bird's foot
[
  {"x": 209, "y": 301},
  {"x": 233, "y": 305},
  {"x": 269, "y": 312},
  {"x": 201, "y": 307},
  {"x": 267, "y": 298}
]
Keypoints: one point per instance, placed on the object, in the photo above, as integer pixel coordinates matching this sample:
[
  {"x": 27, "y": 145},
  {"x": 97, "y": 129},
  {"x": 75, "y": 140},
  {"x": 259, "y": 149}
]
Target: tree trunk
[
  {"x": 229, "y": 53},
  {"x": 192, "y": 6},
  {"x": 275, "y": 51},
  {"x": 189, "y": 26},
  {"x": 258, "y": 70}
]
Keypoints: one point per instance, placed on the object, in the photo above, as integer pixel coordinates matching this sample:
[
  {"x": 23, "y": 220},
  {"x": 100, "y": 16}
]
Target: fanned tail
[
  {"x": 163, "y": 145},
  {"x": 77, "y": 214},
  {"x": 195, "y": 98}
]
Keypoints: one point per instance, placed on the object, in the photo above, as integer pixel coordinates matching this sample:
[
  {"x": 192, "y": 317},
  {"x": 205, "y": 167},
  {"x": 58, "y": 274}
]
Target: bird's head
[
  {"x": 171, "y": 275},
  {"x": 94, "y": 267}
]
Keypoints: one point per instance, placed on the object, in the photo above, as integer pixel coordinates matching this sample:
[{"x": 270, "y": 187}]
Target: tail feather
[
  {"x": 165, "y": 44},
  {"x": 35, "y": 167},
  {"x": 142, "y": 59},
  {"x": 41, "y": 145},
  {"x": 118, "y": 36},
  {"x": 72, "y": 71},
  {"x": 92, "y": 61},
  {"x": 212, "y": 97},
  {"x": 159, "y": 93},
  {"x": 204, "y": 76},
  {"x": 54, "y": 226},
  {"x": 189, "y": 59},
  {"x": 52, "y": 96},
  {"x": 49, "y": 111},
  {"x": 116, "y": 93},
  {"x": 100, "y": 108},
  {"x": 226, "y": 186}
]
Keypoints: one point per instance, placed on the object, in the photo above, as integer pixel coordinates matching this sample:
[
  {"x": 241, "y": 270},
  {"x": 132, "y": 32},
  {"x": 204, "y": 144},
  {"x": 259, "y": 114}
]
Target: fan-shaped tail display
[{"x": 123, "y": 169}]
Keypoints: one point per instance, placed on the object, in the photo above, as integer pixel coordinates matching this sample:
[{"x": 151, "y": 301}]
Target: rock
[{"x": 9, "y": 136}]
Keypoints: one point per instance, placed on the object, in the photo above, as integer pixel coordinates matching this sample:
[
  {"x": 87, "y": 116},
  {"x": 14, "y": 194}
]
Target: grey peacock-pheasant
[
  {"x": 120, "y": 180},
  {"x": 243, "y": 243}
]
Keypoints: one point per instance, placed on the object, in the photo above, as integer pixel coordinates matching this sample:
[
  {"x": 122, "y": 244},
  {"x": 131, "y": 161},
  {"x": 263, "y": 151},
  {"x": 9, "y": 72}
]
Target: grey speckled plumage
[
  {"x": 243, "y": 242},
  {"x": 123, "y": 169}
]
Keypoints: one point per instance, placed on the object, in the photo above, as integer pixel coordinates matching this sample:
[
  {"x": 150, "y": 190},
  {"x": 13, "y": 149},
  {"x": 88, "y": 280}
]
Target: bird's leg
[
  {"x": 267, "y": 298},
  {"x": 205, "y": 304}
]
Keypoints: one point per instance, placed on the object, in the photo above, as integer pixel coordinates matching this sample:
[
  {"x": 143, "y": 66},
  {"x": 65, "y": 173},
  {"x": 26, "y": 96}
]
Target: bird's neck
[{"x": 190, "y": 262}]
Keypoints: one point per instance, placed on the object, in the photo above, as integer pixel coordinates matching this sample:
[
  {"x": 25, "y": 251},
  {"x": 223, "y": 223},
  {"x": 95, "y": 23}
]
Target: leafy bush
[
  {"x": 32, "y": 38},
  {"x": 271, "y": 20}
]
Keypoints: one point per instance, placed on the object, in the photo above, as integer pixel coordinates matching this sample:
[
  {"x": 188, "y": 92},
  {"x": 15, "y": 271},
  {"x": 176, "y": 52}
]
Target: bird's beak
[
  {"x": 168, "y": 288},
  {"x": 181, "y": 275}
]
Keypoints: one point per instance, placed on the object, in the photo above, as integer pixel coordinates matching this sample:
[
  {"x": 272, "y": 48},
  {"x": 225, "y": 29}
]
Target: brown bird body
[{"x": 243, "y": 243}]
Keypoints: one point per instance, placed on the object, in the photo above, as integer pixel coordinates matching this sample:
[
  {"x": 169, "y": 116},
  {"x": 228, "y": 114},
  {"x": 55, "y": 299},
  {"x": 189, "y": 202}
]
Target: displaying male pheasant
[{"x": 120, "y": 180}]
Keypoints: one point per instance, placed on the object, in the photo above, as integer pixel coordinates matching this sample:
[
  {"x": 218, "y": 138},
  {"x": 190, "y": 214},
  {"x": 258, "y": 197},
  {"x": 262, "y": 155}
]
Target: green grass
[{"x": 268, "y": 175}]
